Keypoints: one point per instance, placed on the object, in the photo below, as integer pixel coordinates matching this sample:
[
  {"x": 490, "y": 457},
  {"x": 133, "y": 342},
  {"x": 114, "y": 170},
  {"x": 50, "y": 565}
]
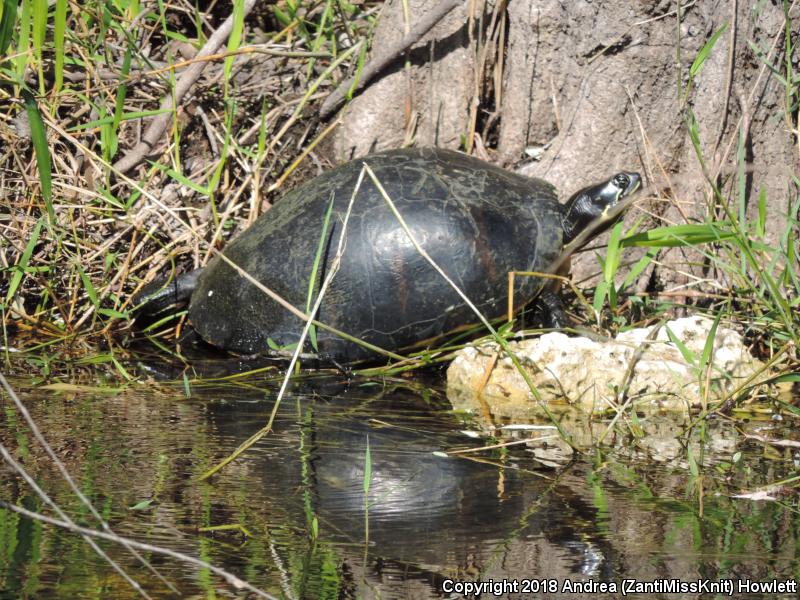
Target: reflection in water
[
  {"x": 322, "y": 526},
  {"x": 429, "y": 515}
]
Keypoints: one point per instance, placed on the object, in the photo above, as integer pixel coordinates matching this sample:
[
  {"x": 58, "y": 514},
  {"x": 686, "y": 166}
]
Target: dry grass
[{"x": 72, "y": 259}]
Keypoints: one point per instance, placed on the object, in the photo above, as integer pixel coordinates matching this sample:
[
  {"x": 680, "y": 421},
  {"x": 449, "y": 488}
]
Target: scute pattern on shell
[{"x": 476, "y": 221}]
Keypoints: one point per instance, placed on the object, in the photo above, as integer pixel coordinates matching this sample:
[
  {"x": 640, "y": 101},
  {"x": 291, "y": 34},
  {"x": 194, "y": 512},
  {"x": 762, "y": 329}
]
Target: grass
[{"x": 78, "y": 240}]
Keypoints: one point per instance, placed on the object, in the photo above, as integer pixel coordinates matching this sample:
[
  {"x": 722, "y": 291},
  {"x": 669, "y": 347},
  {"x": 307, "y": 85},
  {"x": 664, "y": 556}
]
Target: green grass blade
[
  {"x": 234, "y": 40},
  {"x": 705, "y": 51},
  {"x": 182, "y": 179},
  {"x": 23, "y": 39},
  {"x": 698, "y": 62},
  {"x": 113, "y": 314},
  {"x": 133, "y": 9},
  {"x": 687, "y": 354},
  {"x": 708, "y": 348},
  {"x": 612, "y": 296},
  {"x": 39, "y": 34},
  {"x": 178, "y": 37},
  {"x": 741, "y": 180},
  {"x": 87, "y": 285},
  {"x": 312, "y": 280},
  {"x": 793, "y": 260},
  {"x": 741, "y": 193},
  {"x": 319, "y": 39},
  {"x": 600, "y": 293},
  {"x": 106, "y": 133},
  {"x": 640, "y": 266},
  {"x": 42, "y": 151},
  {"x": 7, "y": 22},
  {"x": 367, "y": 481},
  {"x": 119, "y": 103},
  {"x": 762, "y": 56},
  {"x": 693, "y": 468},
  {"x": 284, "y": 19},
  {"x": 611, "y": 264},
  {"x": 120, "y": 369},
  {"x": 155, "y": 326},
  {"x": 694, "y": 135},
  {"x": 362, "y": 58},
  {"x": 692, "y": 234},
  {"x": 762, "y": 213},
  {"x": 39, "y": 27},
  {"x": 786, "y": 378},
  {"x": 216, "y": 175},
  {"x": 19, "y": 269},
  {"x": 367, "y": 471},
  {"x": 325, "y": 74},
  {"x": 59, "y": 30}
]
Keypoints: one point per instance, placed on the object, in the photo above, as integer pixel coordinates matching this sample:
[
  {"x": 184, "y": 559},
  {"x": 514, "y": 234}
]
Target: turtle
[{"x": 475, "y": 220}]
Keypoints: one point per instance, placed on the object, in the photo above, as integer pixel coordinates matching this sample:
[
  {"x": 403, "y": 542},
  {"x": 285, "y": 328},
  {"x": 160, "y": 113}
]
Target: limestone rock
[{"x": 590, "y": 374}]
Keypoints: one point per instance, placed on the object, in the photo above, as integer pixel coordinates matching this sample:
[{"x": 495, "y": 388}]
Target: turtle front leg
[{"x": 550, "y": 310}]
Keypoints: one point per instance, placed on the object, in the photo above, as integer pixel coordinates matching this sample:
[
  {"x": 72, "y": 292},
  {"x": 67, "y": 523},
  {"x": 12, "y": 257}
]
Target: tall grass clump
[
  {"x": 754, "y": 271},
  {"x": 80, "y": 84}
]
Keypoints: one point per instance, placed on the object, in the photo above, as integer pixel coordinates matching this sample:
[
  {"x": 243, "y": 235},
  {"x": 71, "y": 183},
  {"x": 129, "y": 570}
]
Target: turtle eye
[{"x": 621, "y": 181}]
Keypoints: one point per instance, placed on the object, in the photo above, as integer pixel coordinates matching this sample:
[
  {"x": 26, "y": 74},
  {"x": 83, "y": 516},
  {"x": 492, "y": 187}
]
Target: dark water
[{"x": 645, "y": 512}]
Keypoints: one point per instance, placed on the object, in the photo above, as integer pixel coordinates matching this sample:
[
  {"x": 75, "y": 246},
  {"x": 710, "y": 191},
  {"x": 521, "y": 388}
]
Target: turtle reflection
[{"x": 434, "y": 515}]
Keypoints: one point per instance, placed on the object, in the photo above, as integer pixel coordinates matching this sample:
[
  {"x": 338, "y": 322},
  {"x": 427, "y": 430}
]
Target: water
[{"x": 321, "y": 524}]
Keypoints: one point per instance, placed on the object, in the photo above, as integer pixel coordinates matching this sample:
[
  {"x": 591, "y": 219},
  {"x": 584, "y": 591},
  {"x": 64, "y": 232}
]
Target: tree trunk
[{"x": 573, "y": 92}]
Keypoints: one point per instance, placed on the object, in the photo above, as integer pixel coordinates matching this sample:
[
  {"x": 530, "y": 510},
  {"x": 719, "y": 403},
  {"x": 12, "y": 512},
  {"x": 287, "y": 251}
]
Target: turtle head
[{"x": 596, "y": 208}]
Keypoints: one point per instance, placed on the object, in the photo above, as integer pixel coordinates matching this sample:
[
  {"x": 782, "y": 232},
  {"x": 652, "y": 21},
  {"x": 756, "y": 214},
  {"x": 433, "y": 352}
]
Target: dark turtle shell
[{"x": 476, "y": 221}]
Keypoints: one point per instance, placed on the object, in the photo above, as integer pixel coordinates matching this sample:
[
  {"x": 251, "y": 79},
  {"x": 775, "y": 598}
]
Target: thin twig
[
  {"x": 377, "y": 64},
  {"x": 237, "y": 583},
  {"x": 51, "y": 503},
  {"x": 23, "y": 410}
]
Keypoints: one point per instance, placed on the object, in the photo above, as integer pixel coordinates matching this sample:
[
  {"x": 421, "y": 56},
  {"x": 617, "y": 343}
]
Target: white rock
[{"x": 590, "y": 374}]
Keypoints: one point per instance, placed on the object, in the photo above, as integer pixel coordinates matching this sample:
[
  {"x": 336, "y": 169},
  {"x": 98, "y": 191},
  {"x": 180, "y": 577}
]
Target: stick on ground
[
  {"x": 159, "y": 124},
  {"x": 377, "y": 64}
]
